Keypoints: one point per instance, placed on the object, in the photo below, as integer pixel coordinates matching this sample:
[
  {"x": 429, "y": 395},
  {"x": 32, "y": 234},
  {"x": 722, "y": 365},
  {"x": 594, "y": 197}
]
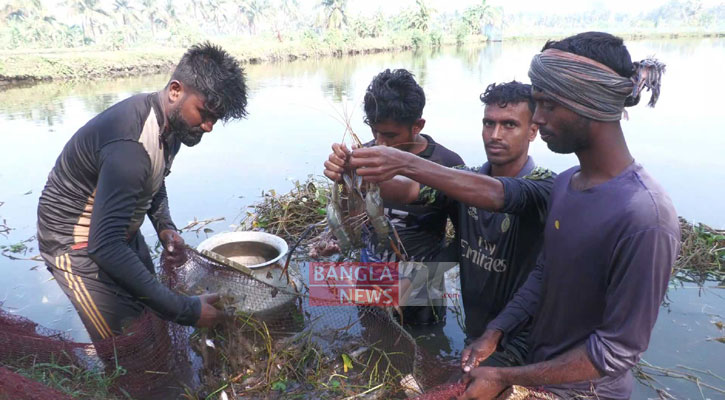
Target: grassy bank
[{"x": 23, "y": 66}]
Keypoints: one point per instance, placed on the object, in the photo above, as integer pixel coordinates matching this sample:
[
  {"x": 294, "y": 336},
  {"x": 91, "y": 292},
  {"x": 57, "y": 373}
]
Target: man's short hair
[
  {"x": 216, "y": 75},
  {"x": 513, "y": 92},
  {"x": 601, "y": 47},
  {"x": 394, "y": 95}
]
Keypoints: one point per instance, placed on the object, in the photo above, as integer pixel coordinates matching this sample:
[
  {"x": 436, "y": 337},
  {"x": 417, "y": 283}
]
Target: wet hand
[
  {"x": 480, "y": 349},
  {"x": 173, "y": 245},
  {"x": 483, "y": 383},
  {"x": 337, "y": 162},
  {"x": 210, "y": 315},
  {"x": 378, "y": 163}
]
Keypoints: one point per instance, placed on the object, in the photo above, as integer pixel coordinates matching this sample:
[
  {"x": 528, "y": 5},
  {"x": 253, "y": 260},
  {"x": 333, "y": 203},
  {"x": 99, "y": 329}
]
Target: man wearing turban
[{"x": 610, "y": 239}]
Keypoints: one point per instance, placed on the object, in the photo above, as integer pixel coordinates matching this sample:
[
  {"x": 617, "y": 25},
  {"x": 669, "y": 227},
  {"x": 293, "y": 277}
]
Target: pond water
[{"x": 295, "y": 114}]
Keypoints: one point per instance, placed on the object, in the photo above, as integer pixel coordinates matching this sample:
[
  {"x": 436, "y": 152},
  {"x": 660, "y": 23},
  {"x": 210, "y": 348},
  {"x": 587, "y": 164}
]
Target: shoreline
[
  {"x": 21, "y": 68},
  {"x": 29, "y": 67}
]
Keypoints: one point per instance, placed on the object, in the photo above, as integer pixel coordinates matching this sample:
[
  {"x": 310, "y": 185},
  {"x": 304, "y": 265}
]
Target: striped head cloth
[{"x": 592, "y": 89}]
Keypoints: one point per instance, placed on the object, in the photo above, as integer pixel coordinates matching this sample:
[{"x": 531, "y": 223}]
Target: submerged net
[{"x": 273, "y": 342}]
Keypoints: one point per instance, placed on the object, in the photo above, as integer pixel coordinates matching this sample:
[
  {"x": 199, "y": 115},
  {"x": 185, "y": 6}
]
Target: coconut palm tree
[
  {"x": 284, "y": 16},
  {"x": 129, "y": 17},
  {"x": 421, "y": 16},
  {"x": 481, "y": 15},
  {"x": 155, "y": 14},
  {"x": 332, "y": 13},
  {"x": 92, "y": 15},
  {"x": 252, "y": 10}
]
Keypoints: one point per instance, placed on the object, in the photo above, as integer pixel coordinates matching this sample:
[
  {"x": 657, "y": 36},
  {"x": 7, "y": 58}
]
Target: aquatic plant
[
  {"x": 702, "y": 256},
  {"x": 288, "y": 215}
]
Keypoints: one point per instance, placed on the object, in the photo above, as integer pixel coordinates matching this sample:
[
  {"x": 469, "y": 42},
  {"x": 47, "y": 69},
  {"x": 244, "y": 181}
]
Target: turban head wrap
[{"x": 592, "y": 89}]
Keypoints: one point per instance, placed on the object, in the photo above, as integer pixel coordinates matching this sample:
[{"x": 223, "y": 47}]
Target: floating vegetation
[
  {"x": 721, "y": 327},
  {"x": 647, "y": 374},
  {"x": 702, "y": 256},
  {"x": 244, "y": 356},
  {"x": 289, "y": 215},
  {"x": 4, "y": 228},
  {"x": 198, "y": 226},
  {"x": 19, "y": 250}
]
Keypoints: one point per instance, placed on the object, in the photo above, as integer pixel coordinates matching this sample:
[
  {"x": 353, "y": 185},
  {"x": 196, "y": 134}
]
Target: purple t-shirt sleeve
[
  {"x": 523, "y": 305},
  {"x": 631, "y": 309}
]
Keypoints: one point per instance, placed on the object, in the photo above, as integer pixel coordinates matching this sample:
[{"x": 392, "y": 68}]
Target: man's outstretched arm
[
  {"x": 397, "y": 190},
  {"x": 379, "y": 164}
]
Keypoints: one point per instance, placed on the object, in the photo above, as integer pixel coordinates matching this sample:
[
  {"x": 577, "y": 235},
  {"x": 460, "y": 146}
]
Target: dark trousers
[{"x": 104, "y": 307}]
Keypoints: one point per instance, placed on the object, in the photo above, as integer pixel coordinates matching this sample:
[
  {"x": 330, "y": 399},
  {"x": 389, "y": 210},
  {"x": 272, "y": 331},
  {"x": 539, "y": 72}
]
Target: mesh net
[
  {"x": 273, "y": 342},
  {"x": 444, "y": 392}
]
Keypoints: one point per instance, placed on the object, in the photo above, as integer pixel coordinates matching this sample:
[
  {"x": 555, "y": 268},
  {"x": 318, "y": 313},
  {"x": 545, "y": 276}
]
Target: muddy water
[{"x": 295, "y": 113}]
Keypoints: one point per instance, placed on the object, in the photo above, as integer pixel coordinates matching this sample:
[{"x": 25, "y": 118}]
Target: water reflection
[{"x": 294, "y": 116}]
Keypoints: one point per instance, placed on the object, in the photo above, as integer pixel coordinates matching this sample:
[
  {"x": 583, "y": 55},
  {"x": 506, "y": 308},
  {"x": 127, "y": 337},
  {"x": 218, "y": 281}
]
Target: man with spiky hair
[
  {"x": 496, "y": 242},
  {"x": 610, "y": 240},
  {"x": 393, "y": 105},
  {"x": 111, "y": 174}
]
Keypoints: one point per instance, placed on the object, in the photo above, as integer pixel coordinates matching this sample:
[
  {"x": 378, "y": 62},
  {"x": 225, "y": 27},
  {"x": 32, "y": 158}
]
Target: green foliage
[
  {"x": 368, "y": 27},
  {"x": 418, "y": 39},
  {"x": 73, "y": 380},
  {"x": 334, "y": 39},
  {"x": 420, "y": 17},
  {"x": 277, "y": 29},
  {"x": 436, "y": 38},
  {"x": 333, "y": 14},
  {"x": 461, "y": 31},
  {"x": 279, "y": 386}
]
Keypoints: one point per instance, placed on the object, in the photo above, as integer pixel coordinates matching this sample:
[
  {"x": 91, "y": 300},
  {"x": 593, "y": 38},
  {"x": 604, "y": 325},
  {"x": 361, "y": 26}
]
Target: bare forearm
[
  {"x": 470, "y": 188},
  {"x": 572, "y": 366},
  {"x": 399, "y": 190}
]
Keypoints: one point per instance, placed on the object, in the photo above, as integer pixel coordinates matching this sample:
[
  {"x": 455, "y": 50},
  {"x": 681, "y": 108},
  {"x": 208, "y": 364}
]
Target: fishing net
[
  {"x": 444, "y": 392},
  {"x": 276, "y": 342},
  {"x": 14, "y": 386},
  {"x": 147, "y": 361}
]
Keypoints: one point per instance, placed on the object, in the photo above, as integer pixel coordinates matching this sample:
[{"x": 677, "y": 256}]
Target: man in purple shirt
[{"x": 610, "y": 239}]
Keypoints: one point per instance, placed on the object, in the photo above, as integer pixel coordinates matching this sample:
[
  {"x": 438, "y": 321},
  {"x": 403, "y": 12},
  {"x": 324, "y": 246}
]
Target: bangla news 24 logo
[{"x": 354, "y": 284}]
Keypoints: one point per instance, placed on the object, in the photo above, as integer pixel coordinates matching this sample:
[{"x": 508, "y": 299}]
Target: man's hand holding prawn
[
  {"x": 380, "y": 163},
  {"x": 337, "y": 162}
]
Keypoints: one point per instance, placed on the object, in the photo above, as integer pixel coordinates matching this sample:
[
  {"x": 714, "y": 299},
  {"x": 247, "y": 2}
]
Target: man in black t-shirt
[
  {"x": 496, "y": 241},
  {"x": 393, "y": 106}
]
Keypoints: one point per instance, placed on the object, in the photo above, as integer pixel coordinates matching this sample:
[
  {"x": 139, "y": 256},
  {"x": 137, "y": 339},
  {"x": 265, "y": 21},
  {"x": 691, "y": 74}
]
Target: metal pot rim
[{"x": 220, "y": 239}]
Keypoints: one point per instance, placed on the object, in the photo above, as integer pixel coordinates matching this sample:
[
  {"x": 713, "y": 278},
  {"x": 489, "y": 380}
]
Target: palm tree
[
  {"x": 155, "y": 14},
  {"x": 284, "y": 16},
  {"x": 481, "y": 15},
  {"x": 91, "y": 13},
  {"x": 19, "y": 10},
  {"x": 333, "y": 14},
  {"x": 252, "y": 10},
  {"x": 218, "y": 13},
  {"x": 420, "y": 18},
  {"x": 128, "y": 13}
]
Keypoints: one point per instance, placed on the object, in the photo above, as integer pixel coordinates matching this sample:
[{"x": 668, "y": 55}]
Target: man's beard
[
  {"x": 569, "y": 140},
  {"x": 182, "y": 130}
]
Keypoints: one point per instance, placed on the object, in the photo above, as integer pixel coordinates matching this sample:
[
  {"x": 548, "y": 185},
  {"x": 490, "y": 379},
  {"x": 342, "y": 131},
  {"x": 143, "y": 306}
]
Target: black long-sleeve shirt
[
  {"x": 107, "y": 178},
  {"x": 497, "y": 250}
]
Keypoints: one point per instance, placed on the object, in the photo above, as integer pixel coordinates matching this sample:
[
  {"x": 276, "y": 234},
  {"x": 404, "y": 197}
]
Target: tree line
[{"x": 116, "y": 24}]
